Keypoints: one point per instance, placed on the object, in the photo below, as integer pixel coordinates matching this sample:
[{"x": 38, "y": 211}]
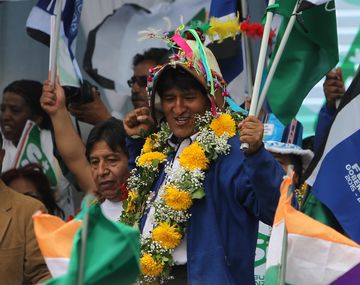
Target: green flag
[
  {"x": 307, "y": 57},
  {"x": 111, "y": 255}
]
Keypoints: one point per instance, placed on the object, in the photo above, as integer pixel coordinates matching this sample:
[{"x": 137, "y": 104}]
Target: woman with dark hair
[
  {"x": 27, "y": 138},
  {"x": 21, "y": 102},
  {"x": 102, "y": 166},
  {"x": 30, "y": 180}
]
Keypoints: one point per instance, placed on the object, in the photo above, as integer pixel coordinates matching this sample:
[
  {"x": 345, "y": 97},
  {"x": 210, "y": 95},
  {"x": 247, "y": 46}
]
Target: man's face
[
  {"x": 180, "y": 108},
  {"x": 13, "y": 116},
  {"x": 139, "y": 96},
  {"x": 109, "y": 170}
]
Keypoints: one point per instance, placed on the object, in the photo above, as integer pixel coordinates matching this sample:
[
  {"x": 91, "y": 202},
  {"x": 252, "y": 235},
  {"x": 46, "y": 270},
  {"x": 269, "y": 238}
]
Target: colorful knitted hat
[
  {"x": 190, "y": 54},
  {"x": 197, "y": 60}
]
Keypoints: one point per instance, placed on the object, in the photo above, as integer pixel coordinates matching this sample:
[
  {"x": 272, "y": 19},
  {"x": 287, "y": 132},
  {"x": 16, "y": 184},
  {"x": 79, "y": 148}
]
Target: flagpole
[
  {"x": 260, "y": 66},
  {"x": 246, "y": 48},
  {"x": 282, "y": 273},
  {"x": 276, "y": 60},
  {"x": 84, "y": 235},
  {"x": 54, "y": 41},
  {"x": 283, "y": 258}
]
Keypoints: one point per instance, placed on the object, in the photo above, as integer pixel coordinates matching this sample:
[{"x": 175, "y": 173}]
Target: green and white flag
[
  {"x": 307, "y": 57},
  {"x": 108, "y": 251},
  {"x": 31, "y": 150}
]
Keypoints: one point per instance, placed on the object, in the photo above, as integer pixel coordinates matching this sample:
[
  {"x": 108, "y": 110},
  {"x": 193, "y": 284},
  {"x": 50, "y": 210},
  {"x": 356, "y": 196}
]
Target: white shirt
[
  {"x": 111, "y": 210},
  {"x": 179, "y": 254}
]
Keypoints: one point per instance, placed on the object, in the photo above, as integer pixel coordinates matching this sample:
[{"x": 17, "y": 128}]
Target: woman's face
[
  {"x": 24, "y": 186},
  {"x": 13, "y": 116},
  {"x": 109, "y": 170}
]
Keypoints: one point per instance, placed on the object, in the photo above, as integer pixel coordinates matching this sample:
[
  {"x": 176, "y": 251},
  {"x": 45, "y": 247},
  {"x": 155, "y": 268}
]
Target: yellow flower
[
  {"x": 149, "y": 266},
  {"x": 177, "y": 199},
  {"x": 223, "y": 124},
  {"x": 166, "y": 235},
  {"x": 193, "y": 157},
  {"x": 149, "y": 144},
  {"x": 150, "y": 157},
  {"x": 132, "y": 197}
]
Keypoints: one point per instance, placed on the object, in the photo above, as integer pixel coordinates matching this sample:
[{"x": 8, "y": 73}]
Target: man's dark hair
[
  {"x": 30, "y": 91},
  {"x": 158, "y": 55},
  {"x": 180, "y": 79},
  {"x": 296, "y": 161},
  {"x": 308, "y": 143},
  {"x": 111, "y": 132}
]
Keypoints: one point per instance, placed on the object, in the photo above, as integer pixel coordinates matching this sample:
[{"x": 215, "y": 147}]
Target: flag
[
  {"x": 112, "y": 249},
  {"x": 38, "y": 26},
  {"x": 50, "y": 231},
  {"x": 306, "y": 4},
  {"x": 314, "y": 253},
  {"x": 307, "y": 57},
  {"x": 229, "y": 52},
  {"x": 335, "y": 171},
  {"x": 349, "y": 278},
  {"x": 108, "y": 58},
  {"x": 31, "y": 149}
]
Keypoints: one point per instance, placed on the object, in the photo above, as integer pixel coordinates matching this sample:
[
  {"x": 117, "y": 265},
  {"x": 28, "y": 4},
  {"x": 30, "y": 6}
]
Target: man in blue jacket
[{"x": 218, "y": 239}]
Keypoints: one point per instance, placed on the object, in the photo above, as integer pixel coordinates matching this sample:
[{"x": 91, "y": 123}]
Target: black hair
[
  {"x": 158, "y": 55},
  {"x": 178, "y": 78},
  {"x": 30, "y": 91},
  {"x": 308, "y": 143},
  {"x": 296, "y": 161},
  {"x": 112, "y": 132},
  {"x": 33, "y": 173}
]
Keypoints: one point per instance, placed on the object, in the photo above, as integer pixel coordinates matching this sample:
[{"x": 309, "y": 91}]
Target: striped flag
[
  {"x": 38, "y": 26},
  {"x": 50, "y": 231},
  {"x": 111, "y": 255},
  {"x": 308, "y": 251},
  {"x": 229, "y": 52},
  {"x": 335, "y": 171}
]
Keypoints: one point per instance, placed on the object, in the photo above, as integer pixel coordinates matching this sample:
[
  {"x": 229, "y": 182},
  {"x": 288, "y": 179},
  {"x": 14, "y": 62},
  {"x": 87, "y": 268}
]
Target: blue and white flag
[
  {"x": 38, "y": 26},
  {"x": 336, "y": 170}
]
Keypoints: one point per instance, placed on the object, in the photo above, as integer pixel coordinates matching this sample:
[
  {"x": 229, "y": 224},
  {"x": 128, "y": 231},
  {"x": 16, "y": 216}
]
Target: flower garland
[{"x": 176, "y": 195}]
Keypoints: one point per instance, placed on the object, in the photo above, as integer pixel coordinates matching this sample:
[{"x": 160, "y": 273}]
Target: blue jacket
[
  {"x": 222, "y": 231},
  {"x": 325, "y": 120}
]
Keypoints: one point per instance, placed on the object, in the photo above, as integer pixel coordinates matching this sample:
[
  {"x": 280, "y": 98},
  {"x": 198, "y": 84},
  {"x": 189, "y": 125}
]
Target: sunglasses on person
[{"x": 140, "y": 80}]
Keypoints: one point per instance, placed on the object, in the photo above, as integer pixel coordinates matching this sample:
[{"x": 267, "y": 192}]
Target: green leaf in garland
[{"x": 198, "y": 193}]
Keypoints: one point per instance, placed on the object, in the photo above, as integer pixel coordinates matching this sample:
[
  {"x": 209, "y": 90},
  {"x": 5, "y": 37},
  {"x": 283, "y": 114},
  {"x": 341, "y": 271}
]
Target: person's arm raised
[{"x": 68, "y": 143}]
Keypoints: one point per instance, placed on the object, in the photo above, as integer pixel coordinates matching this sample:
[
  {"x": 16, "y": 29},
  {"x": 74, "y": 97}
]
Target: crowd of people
[{"x": 173, "y": 167}]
